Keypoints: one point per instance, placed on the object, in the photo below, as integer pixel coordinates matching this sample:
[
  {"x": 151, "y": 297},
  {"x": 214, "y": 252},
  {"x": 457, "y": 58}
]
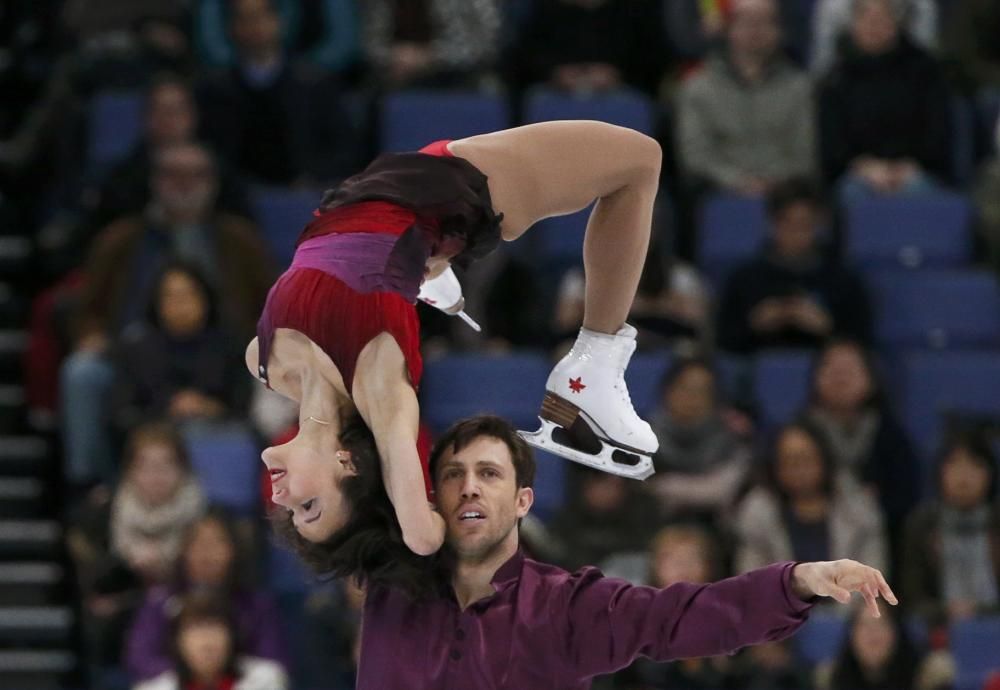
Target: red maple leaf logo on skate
[{"x": 576, "y": 385}]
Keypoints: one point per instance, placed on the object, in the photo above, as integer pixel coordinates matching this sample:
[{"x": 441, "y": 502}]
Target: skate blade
[{"x": 607, "y": 457}]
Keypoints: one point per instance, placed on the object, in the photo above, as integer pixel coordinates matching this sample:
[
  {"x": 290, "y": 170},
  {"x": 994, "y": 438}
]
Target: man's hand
[{"x": 838, "y": 579}]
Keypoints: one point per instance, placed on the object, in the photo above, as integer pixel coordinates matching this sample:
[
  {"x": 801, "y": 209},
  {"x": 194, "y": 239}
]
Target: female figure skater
[{"x": 340, "y": 335}]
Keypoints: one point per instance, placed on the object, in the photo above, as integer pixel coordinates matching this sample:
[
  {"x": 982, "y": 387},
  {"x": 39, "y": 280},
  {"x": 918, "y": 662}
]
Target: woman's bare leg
[{"x": 555, "y": 168}]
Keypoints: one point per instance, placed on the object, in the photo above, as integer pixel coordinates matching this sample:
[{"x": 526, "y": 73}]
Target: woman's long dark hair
[
  {"x": 193, "y": 272},
  {"x": 876, "y": 398},
  {"x": 900, "y": 669},
  {"x": 234, "y": 580},
  {"x": 369, "y": 547},
  {"x": 825, "y": 454},
  {"x": 199, "y": 609}
]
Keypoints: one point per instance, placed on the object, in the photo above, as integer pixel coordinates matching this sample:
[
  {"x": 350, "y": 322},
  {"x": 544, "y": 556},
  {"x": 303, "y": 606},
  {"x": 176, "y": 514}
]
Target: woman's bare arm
[{"x": 387, "y": 402}]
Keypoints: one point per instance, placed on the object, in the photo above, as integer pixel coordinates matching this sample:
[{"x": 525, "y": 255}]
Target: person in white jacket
[{"x": 204, "y": 644}]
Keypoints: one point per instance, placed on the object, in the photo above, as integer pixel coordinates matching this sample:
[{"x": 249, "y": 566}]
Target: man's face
[
  {"x": 184, "y": 181},
  {"x": 795, "y": 230},
  {"x": 478, "y": 498},
  {"x": 754, "y": 28}
]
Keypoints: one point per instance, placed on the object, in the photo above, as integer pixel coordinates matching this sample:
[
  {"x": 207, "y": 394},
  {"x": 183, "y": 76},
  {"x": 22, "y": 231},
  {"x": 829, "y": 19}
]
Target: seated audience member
[
  {"x": 883, "y": 111},
  {"x": 792, "y": 294},
  {"x": 951, "y": 556},
  {"x": 322, "y": 32},
  {"x": 702, "y": 462},
  {"x": 851, "y": 410},
  {"x": 680, "y": 553},
  {"x": 746, "y": 121},
  {"x": 437, "y": 43},
  {"x": 831, "y": 22},
  {"x": 210, "y": 564},
  {"x": 800, "y": 512},
  {"x": 156, "y": 501},
  {"x": 279, "y": 121},
  {"x": 208, "y": 654},
  {"x": 179, "y": 223},
  {"x": 588, "y": 46},
  {"x": 170, "y": 117},
  {"x": 605, "y": 515},
  {"x": 181, "y": 363},
  {"x": 879, "y": 655}
]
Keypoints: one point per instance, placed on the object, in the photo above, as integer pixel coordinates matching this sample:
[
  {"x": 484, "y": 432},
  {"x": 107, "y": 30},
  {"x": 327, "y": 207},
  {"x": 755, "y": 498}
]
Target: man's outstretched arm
[{"x": 611, "y": 622}]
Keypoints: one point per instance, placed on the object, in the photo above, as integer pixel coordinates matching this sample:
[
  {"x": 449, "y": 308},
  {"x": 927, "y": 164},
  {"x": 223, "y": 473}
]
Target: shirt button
[
  {"x": 455, "y": 655},
  {"x": 459, "y": 634}
]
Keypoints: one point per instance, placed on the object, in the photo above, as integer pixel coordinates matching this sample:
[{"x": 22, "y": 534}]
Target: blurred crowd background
[{"x": 819, "y": 316}]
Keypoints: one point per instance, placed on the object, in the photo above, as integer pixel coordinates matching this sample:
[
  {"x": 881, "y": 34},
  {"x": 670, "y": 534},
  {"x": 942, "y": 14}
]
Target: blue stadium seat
[
  {"x": 732, "y": 229},
  {"x": 457, "y": 386},
  {"x": 550, "y": 484},
  {"x": 226, "y": 460},
  {"x": 286, "y": 575},
  {"x": 626, "y": 107},
  {"x": 643, "y": 377},
  {"x": 820, "y": 639},
  {"x": 975, "y": 645},
  {"x": 936, "y": 308},
  {"x": 281, "y": 214},
  {"x": 558, "y": 241},
  {"x": 963, "y": 123},
  {"x": 412, "y": 119},
  {"x": 115, "y": 123},
  {"x": 934, "y": 383},
  {"x": 781, "y": 385},
  {"x": 931, "y": 231}
]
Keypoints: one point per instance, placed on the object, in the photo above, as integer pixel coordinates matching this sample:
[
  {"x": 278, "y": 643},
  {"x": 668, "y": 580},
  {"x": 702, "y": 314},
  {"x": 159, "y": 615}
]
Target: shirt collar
[{"x": 509, "y": 573}]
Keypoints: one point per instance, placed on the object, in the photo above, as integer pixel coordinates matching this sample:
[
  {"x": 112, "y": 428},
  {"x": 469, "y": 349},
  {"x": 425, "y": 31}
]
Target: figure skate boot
[{"x": 445, "y": 293}]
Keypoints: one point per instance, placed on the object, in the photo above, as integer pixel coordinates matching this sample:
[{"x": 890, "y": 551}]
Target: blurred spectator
[
  {"x": 210, "y": 564},
  {"x": 170, "y": 118},
  {"x": 122, "y": 541},
  {"x": 155, "y": 503},
  {"x": 770, "y": 666},
  {"x": 970, "y": 40},
  {"x": 604, "y": 515},
  {"x": 180, "y": 363},
  {"x": 671, "y": 306},
  {"x": 179, "y": 223},
  {"x": 323, "y": 32},
  {"x": 120, "y": 42},
  {"x": 590, "y": 46},
  {"x": 208, "y": 655},
  {"x": 413, "y": 43},
  {"x": 832, "y": 21},
  {"x": 747, "y": 121},
  {"x": 879, "y": 655},
  {"x": 800, "y": 512},
  {"x": 278, "y": 120},
  {"x": 952, "y": 555},
  {"x": 884, "y": 110},
  {"x": 681, "y": 553},
  {"x": 332, "y": 627},
  {"x": 850, "y": 408},
  {"x": 986, "y": 194},
  {"x": 702, "y": 462},
  {"x": 792, "y": 295}
]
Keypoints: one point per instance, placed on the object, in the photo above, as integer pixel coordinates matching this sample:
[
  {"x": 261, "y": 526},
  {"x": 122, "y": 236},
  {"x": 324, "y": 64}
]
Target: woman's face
[
  {"x": 691, "y": 397},
  {"x": 874, "y": 26},
  {"x": 183, "y": 307},
  {"x": 680, "y": 560},
  {"x": 305, "y": 475},
  {"x": 842, "y": 379},
  {"x": 965, "y": 480},
  {"x": 799, "y": 468},
  {"x": 209, "y": 556},
  {"x": 205, "y": 647},
  {"x": 873, "y": 640},
  {"x": 156, "y": 473}
]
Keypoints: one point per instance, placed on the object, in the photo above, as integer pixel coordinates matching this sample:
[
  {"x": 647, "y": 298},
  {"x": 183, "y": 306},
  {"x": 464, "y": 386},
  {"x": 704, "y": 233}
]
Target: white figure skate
[
  {"x": 445, "y": 293},
  {"x": 587, "y": 415}
]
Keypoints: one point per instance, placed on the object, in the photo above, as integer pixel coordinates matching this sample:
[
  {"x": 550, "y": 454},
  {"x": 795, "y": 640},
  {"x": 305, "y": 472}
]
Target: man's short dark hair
[
  {"x": 465, "y": 431},
  {"x": 795, "y": 190}
]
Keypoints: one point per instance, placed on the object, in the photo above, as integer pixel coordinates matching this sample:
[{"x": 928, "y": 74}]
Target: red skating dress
[{"x": 358, "y": 266}]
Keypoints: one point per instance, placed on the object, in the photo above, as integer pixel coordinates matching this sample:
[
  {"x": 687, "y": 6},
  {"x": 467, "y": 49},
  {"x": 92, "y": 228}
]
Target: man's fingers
[
  {"x": 885, "y": 590},
  {"x": 869, "y": 593},
  {"x": 840, "y": 594}
]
